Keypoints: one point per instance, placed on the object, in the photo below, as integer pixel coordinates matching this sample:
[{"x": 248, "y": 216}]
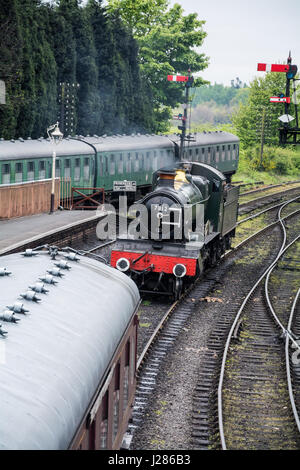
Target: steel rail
[
  {"x": 279, "y": 193},
  {"x": 283, "y": 250},
  {"x": 173, "y": 306},
  {"x": 266, "y": 188},
  {"x": 287, "y": 361},
  {"x": 240, "y": 222},
  {"x": 156, "y": 333},
  {"x": 233, "y": 327}
]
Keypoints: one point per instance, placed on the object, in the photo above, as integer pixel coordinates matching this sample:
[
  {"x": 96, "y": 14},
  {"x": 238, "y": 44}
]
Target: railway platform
[{"x": 34, "y": 230}]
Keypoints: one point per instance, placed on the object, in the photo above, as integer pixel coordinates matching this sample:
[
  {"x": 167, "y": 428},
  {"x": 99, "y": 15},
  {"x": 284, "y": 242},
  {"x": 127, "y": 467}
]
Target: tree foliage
[
  {"x": 167, "y": 39},
  {"x": 45, "y": 44},
  {"x": 248, "y": 117}
]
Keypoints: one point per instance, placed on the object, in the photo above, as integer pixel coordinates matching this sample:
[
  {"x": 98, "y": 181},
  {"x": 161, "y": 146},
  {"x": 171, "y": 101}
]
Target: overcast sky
[{"x": 241, "y": 33}]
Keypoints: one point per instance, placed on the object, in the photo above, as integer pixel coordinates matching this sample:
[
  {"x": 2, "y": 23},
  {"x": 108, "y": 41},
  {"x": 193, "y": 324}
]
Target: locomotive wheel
[
  {"x": 177, "y": 288},
  {"x": 213, "y": 256}
]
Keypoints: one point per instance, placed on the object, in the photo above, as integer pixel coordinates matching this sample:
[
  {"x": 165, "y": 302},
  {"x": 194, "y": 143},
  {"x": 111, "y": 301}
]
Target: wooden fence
[{"x": 19, "y": 199}]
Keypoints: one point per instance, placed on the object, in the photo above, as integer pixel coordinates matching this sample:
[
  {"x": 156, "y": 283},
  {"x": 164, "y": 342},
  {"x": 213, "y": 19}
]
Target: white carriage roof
[{"x": 51, "y": 360}]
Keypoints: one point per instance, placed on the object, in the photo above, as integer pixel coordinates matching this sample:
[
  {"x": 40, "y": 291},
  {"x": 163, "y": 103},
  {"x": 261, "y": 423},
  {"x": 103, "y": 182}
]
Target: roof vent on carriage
[
  {"x": 4, "y": 272},
  {"x": 18, "y": 307},
  {"x": 48, "y": 279},
  {"x": 9, "y": 316},
  {"x": 39, "y": 287},
  {"x": 2, "y": 332},
  {"x": 55, "y": 272},
  {"x": 29, "y": 252},
  {"x": 72, "y": 257},
  {"x": 30, "y": 295}
]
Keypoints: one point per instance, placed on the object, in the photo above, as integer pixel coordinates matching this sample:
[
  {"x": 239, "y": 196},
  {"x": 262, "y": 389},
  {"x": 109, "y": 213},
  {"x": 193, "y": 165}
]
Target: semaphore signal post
[
  {"x": 287, "y": 134},
  {"x": 188, "y": 80}
]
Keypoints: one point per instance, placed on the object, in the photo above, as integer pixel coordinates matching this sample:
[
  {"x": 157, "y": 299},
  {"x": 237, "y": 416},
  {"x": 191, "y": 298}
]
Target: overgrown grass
[{"x": 278, "y": 165}]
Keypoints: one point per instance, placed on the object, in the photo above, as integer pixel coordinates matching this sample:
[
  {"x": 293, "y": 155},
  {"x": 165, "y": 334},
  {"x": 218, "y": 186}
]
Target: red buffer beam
[{"x": 272, "y": 67}]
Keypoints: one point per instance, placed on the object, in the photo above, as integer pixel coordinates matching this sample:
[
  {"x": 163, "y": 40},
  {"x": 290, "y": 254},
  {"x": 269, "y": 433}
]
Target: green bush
[{"x": 277, "y": 160}]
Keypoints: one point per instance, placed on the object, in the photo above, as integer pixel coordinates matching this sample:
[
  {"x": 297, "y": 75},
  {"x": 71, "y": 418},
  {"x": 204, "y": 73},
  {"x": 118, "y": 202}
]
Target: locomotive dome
[{"x": 61, "y": 343}]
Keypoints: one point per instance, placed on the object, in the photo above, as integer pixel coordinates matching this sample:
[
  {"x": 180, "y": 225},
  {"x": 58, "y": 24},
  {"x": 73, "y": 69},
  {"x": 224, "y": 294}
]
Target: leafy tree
[
  {"x": 10, "y": 65},
  {"x": 248, "y": 118},
  {"x": 166, "y": 41}
]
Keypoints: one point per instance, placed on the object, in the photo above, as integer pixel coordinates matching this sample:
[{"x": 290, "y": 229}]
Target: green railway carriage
[
  {"x": 31, "y": 160},
  {"x": 218, "y": 149},
  {"x": 133, "y": 157},
  {"x": 99, "y": 161}
]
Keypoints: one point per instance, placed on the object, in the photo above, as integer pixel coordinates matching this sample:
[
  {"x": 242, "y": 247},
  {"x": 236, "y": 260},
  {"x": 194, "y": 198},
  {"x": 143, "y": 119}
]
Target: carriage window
[
  {"x": 147, "y": 165},
  {"x": 5, "y": 173},
  {"x": 106, "y": 165},
  {"x": 136, "y": 163},
  {"x": 217, "y": 154},
  {"x": 86, "y": 169},
  {"x": 30, "y": 171},
  {"x": 49, "y": 170},
  {"x": 120, "y": 164},
  {"x": 42, "y": 170},
  {"x": 128, "y": 165},
  {"x": 77, "y": 170},
  {"x": 229, "y": 153},
  {"x": 202, "y": 158},
  {"x": 19, "y": 173},
  {"x": 104, "y": 422},
  {"x": 234, "y": 152},
  {"x": 67, "y": 165},
  {"x": 142, "y": 162},
  {"x": 112, "y": 165},
  {"x": 155, "y": 165},
  {"x": 57, "y": 168},
  {"x": 223, "y": 153},
  {"x": 126, "y": 377},
  {"x": 208, "y": 154},
  {"x": 116, "y": 402},
  {"x": 132, "y": 361}
]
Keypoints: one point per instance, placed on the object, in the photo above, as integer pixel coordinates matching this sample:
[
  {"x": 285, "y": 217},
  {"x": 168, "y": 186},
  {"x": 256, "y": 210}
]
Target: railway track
[
  {"x": 254, "y": 411},
  {"x": 265, "y": 188},
  {"x": 165, "y": 336},
  {"x": 253, "y": 204}
]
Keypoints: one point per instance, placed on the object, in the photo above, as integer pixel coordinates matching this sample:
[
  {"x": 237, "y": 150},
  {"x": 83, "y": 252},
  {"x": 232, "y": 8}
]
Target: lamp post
[{"x": 55, "y": 137}]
